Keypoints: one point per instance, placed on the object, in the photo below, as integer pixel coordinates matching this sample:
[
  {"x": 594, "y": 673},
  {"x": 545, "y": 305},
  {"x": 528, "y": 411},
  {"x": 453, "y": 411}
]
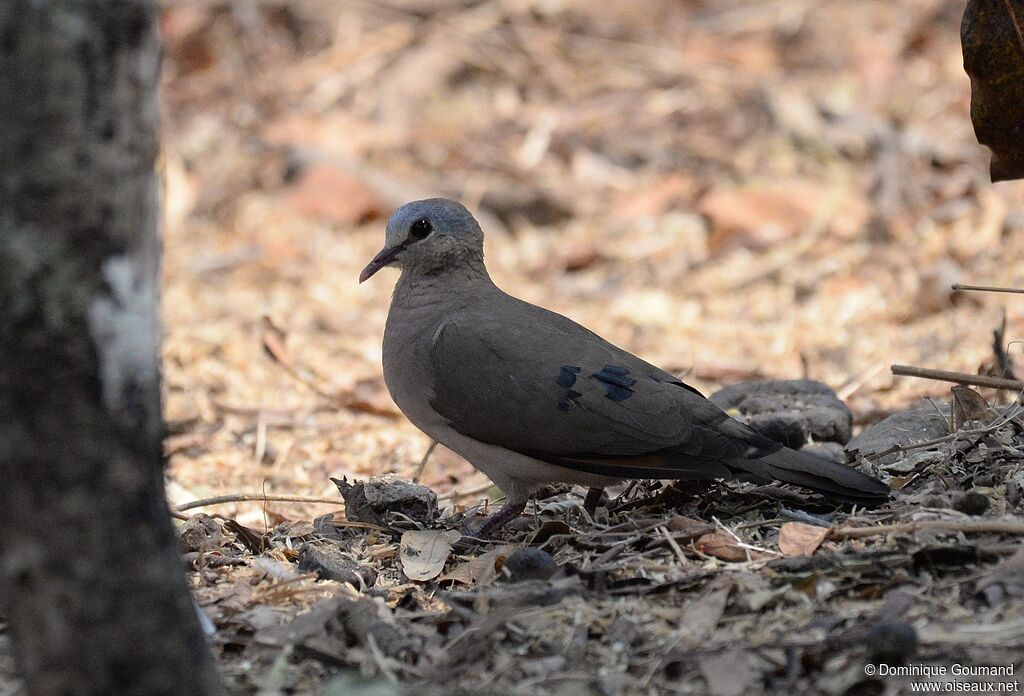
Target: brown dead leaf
[
  {"x": 371, "y": 396},
  {"x": 898, "y": 482},
  {"x": 679, "y": 523},
  {"x": 766, "y": 213},
  {"x": 968, "y": 405},
  {"x": 580, "y": 257},
  {"x": 273, "y": 338},
  {"x": 656, "y": 198},
  {"x": 424, "y": 552},
  {"x": 800, "y": 539},
  {"x": 331, "y": 194},
  {"x": 549, "y": 529},
  {"x": 483, "y": 569},
  {"x": 723, "y": 546}
]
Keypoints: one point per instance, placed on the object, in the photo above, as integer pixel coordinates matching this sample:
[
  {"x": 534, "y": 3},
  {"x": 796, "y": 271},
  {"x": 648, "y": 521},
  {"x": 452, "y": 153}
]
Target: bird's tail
[{"x": 818, "y": 474}]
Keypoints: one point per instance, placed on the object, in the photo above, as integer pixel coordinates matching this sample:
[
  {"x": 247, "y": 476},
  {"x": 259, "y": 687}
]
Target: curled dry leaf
[
  {"x": 482, "y": 569},
  {"x": 799, "y": 539},
  {"x": 723, "y": 546},
  {"x": 969, "y": 406},
  {"x": 424, "y": 552}
]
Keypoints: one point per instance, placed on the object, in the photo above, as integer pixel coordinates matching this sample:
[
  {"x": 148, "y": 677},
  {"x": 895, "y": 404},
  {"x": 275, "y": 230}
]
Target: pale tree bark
[{"x": 90, "y": 580}]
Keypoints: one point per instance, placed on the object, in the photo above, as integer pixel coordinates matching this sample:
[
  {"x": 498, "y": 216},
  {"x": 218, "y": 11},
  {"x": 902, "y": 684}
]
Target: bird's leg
[
  {"x": 508, "y": 512},
  {"x": 592, "y": 499}
]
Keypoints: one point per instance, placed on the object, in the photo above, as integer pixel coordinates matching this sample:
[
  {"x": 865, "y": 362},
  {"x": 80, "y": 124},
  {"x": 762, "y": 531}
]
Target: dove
[{"x": 530, "y": 397}]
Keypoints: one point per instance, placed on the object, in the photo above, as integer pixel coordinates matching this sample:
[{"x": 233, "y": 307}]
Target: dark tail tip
[{"x": 819, "y": 475}]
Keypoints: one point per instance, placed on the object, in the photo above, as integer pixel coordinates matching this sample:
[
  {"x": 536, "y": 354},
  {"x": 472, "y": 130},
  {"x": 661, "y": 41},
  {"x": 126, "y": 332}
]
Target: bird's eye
[{"x": 420, "y": 229}]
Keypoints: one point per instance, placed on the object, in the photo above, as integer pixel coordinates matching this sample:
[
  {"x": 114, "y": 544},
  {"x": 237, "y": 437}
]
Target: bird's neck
[{"x": 466, "y": 281}]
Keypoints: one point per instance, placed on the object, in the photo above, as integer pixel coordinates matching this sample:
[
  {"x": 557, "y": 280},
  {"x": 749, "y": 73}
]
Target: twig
[
  {"x": 958, "y": 287},
  {"x": 423, "y": 462},
  {"x": 453, "y": 494},
  {"x": 675, "y": 546},
  {"x": 958, "y": 377},
  {"x": 847, "y": 390},
  {"x": 742, "y": 544},
  {"x": 258, "y": 497},
  {"x": 969, "y": 527}
]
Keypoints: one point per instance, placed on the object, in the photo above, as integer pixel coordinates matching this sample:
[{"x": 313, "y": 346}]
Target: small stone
[
  {"x": 386, "y": 499},
  {"x": 971, "y": 503},
  {"x": 330, "y": 564},
  {"x": 200, "y": 532},
  {"x": 891, "y": 642},
  {"x": 899, "y": 429},
  {"x": 530, "y": 564},
  {"x": 792, "y": 412}
]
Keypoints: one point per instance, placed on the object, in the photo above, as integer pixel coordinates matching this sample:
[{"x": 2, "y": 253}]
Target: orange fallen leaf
[
  {"x": 331, "y": 194},
  {"x": 723, "y": 546},
  {"x": 483, "y": 569},
  {"x": 799, "y": 539}
]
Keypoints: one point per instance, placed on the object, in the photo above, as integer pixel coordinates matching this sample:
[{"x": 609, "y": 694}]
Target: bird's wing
[
  {"x": 521, "y": 377},
  {"x": 527, "y": 379}
]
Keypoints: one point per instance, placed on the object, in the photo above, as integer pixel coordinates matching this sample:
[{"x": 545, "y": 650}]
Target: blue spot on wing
[
  {"x": 617, "y": 393},
  {"x": 567, "y": 376},
  {"x": 616, "y": 383}
]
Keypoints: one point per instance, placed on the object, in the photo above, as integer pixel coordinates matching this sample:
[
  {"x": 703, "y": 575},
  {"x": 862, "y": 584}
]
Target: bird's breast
[{"x": 406, "y": 362}]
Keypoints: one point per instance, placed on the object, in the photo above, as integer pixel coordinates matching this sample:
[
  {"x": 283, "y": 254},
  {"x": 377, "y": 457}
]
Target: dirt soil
[{"x": 733, "y": 190}]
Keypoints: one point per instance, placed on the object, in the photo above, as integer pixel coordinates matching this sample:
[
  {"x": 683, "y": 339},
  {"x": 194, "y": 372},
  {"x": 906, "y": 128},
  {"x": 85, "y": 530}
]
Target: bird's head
[{"x": 428, "y": 236}]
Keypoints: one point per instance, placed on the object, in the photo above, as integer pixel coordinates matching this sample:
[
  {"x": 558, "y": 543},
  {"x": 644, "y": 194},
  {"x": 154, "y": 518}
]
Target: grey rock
[
  {"x": 200, "y": 532},
  {"x": 329, "y": 563},
  {"x": 384, "y": 500},
  {"x": 899, "y": 429},
  {"x": 530, "y": 564},
  {"x": 792, "y": 412}
]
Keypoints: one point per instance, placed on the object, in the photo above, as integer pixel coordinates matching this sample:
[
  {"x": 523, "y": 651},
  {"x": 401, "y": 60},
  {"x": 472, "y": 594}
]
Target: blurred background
[{"x": 733, "y": 190}]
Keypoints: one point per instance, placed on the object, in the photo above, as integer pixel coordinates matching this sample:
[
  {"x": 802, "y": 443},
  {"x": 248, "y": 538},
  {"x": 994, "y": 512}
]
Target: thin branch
[
  {"x": 958, "y": 377},
  {"x": 960, "y": 287},
  {"x": 967, "y": 527},
  {"x": 423, "y": 462},
  {"x": 895, "y": 449},
  {"x": 256, "y": 497},
  {"x": 1011, "y": 413},
  {"x": 456, "y": 493}
]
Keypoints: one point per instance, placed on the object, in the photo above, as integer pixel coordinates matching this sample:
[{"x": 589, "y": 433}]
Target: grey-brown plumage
[{"x": 530, "y": 397}]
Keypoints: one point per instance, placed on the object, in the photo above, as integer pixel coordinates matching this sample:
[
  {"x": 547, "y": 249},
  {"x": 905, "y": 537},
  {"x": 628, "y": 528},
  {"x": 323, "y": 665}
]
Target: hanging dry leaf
[
  {"x": 799, "y": 539},
  {"x": 993, "y": 44},
  {"x": 424, "y": 552},
  {"x": 968, "y": 405},
  {"x": 723, "y": 546},
  {"x": 482, "y": 569}
]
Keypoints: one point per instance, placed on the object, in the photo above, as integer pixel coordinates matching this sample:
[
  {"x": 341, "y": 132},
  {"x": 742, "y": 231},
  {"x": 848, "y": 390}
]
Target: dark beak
[{"x": 382, "y": 259}]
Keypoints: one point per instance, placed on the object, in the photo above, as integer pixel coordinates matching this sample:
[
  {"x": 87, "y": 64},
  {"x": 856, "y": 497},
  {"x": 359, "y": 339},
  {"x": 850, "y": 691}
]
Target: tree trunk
[{"x": 90, "y": 578}]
